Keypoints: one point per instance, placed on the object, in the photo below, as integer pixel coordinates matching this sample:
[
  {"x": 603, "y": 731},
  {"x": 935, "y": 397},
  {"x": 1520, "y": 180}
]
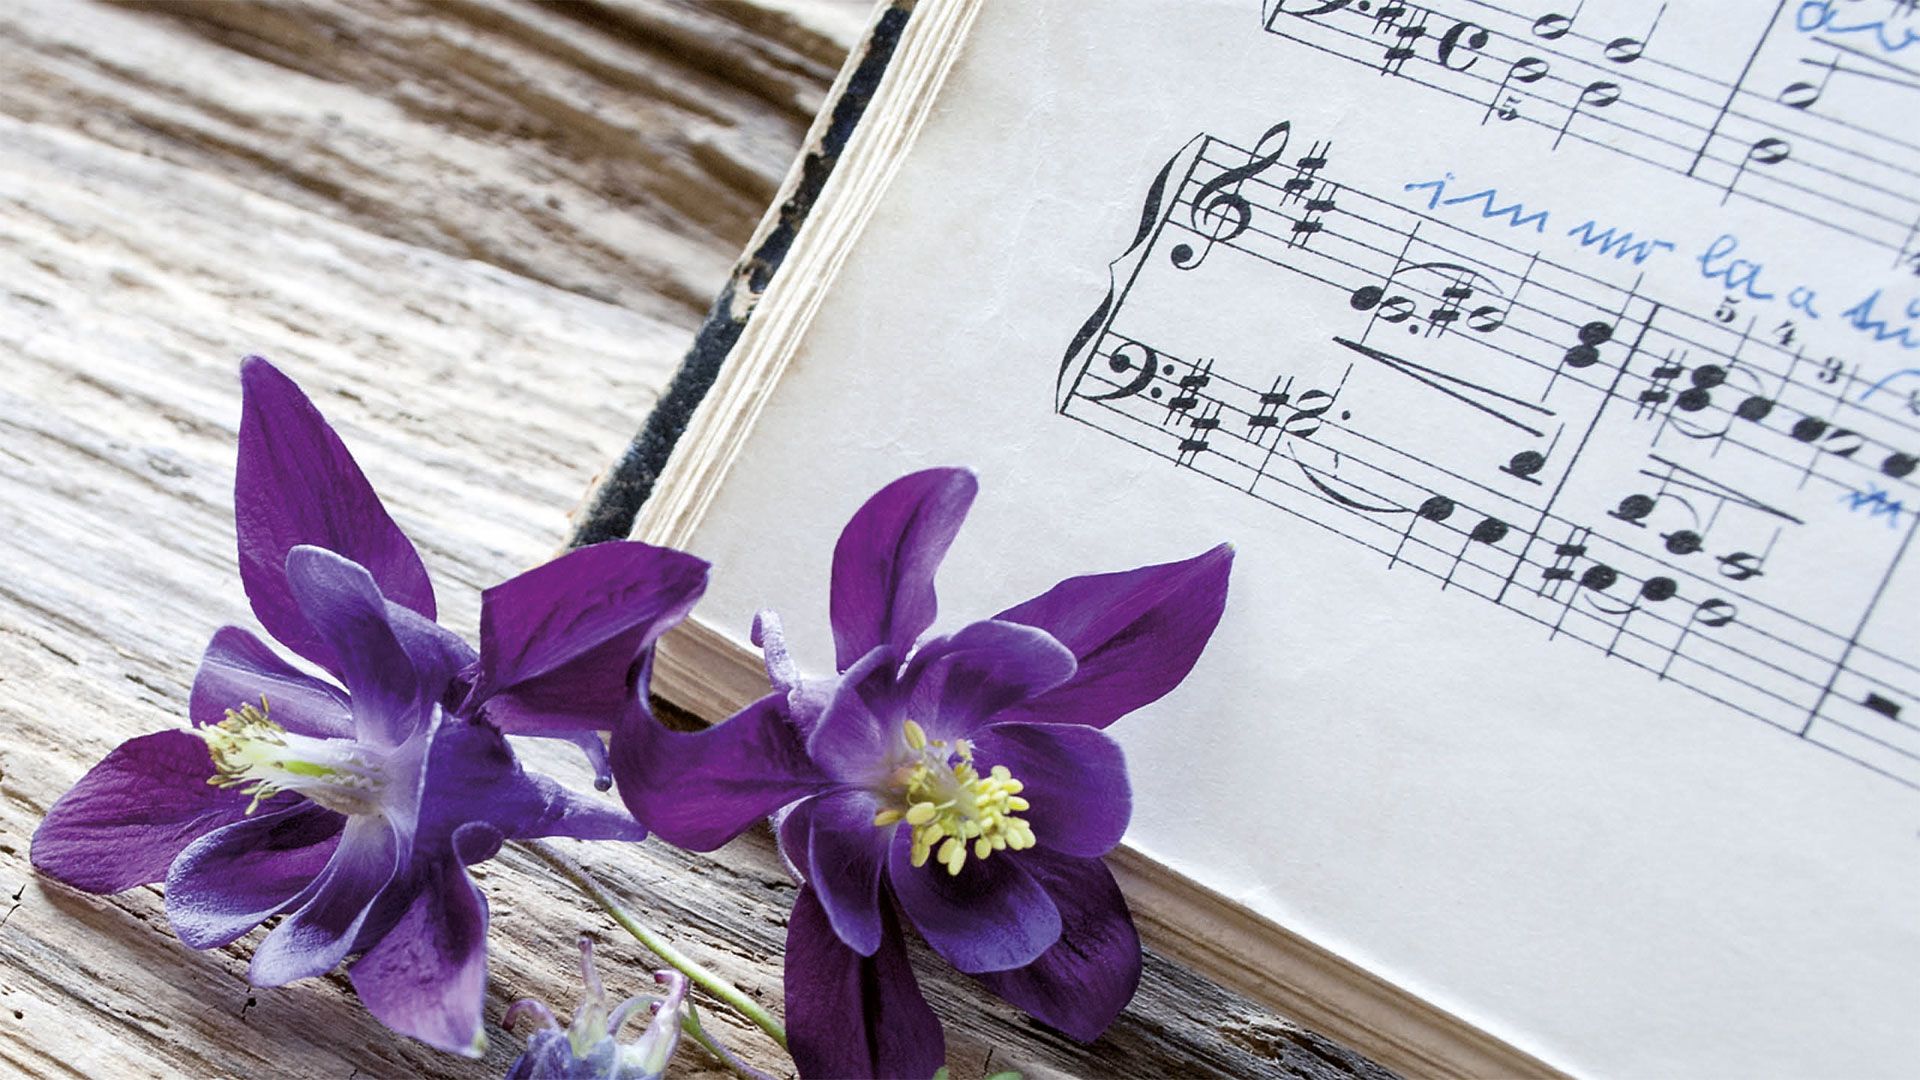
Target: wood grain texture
[{"x": 480, "y": 234}]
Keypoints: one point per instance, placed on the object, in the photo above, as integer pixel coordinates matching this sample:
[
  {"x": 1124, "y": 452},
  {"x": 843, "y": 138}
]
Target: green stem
[
  {"x": 690, "y": 1023},
  {"x": 659, "y": 946}
]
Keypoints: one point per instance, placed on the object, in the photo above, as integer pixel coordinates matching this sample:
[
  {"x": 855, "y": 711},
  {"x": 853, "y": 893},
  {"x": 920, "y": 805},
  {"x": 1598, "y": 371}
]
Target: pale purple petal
[
  {"x": 791, "y": 830},
  {"x": 229, "y": 881},
  {"x": 427, "y": 976},
  {"x": 238, "y": 669},
  {"x": 883, "y": 565},
  {"x": 438, "y": 654},
  {"x": 297, "y": 484},
  {"x": 322, "y": 930},
  {"x": 858, "y": 733},
  {"x": 806, "y": 698},
  {"x": 957, "y": 684},
  {"x": 1075, "y": 782},
  {"x": 474, "y": 777},
  {"x": 700, "y": 789},
  {"x": 344, "y": 606},
  {"x": 991, "y": 916},
  {"x": 127, "y": 818},
  {"x": 1136, "y": 633},
  {"x": 564, "y": 636},
  {"x": 848, "y": 853},
  {"x": 850, "y": 1015},
  {"x": 1083, "y": 982}
]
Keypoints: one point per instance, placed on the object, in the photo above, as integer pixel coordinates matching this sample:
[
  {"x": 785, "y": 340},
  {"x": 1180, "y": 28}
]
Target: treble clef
[{"x": 1219, "y": 212}]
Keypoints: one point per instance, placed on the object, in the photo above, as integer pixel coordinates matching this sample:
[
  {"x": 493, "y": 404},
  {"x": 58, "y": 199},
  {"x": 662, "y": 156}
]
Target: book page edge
[{"x": 719, "y": 427}]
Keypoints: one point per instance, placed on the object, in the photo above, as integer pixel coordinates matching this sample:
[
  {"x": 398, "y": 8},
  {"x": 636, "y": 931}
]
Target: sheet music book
[{"x": 1555, "y": 370}]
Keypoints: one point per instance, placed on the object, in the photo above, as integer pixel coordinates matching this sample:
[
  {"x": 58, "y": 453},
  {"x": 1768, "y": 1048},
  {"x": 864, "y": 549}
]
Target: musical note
[
  {"x": 1525, "y": 71},
  {"x": 1552, "y": 27},
  {"x": 1766, "y": 152},
  {"x": 1858, "y": 178},
  {"x": 1597, "y": 94},
  {"x": 1480, "y": 420}
]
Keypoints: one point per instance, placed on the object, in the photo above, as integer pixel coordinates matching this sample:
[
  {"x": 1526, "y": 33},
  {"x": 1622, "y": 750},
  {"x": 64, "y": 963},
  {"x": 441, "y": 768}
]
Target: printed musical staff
[
  {"x": 1772, "y": 130},
  {"x": 1689, "y": 492}
]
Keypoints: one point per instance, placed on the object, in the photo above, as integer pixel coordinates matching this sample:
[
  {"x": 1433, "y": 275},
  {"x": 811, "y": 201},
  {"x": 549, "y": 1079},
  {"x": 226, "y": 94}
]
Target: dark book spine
[{"x": 611, "y": 508}]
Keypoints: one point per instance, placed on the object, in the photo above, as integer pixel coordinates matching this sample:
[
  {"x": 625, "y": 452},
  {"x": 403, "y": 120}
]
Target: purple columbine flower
[
  {"x": 588, "y": 1048},
  {"x": 354, "y": 808},
  {"x": 965, "y": 779}
]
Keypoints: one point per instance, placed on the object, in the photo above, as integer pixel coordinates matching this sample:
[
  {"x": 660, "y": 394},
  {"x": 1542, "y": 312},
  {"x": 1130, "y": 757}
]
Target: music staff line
[
  {"x": 1457, "y": 480},
  {"x": 1805, "y": 733},
  {"x": 1896, "y": 458},
  {"x": 1706, "y": 629},
  {"x": 1769, "y": 152},
  {"x": 1335, "y": 189}
]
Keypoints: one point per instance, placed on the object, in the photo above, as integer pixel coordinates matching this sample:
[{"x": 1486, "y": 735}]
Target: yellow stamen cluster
[
  {"x": 948, "y": 802},
  {"x": 262, "y": 759}
]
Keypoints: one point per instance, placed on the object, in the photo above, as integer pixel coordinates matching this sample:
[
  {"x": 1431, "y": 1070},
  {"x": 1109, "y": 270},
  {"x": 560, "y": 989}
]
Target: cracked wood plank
[{"x": 480, "y": 233}]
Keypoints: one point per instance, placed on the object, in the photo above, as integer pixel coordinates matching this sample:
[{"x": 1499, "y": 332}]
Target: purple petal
[
  {"x": 427, "y": 977},
  {"x": 1075, "y": 782},
  {"x": 127, "y": 818},
  {"x": 320, "y": 933},
  {"x": 296, "y": 484},
  {"x": 1136, "y": 633},
  {"x": 239, "y": 669},
  {"x": 1087, "y": 978},
  {"x": 958, "y": 683},
  {"x": 991, "y": 916},
  {"x": 884, "y": 563},
  {"x": 473, "y": 777},
  {"x": 700, "y": 789},
  {"x": 850, "y": 1015},
  {"x": 565, "y": 635},
  {"x": 229, "y": 881},
  {"x": 857, "y": 734},
  {"x": 345, "y": 608},
  {"x": 847, "y": 852}
]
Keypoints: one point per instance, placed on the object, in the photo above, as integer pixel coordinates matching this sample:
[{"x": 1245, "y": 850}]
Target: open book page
[{"x": 1556, "y": 373}]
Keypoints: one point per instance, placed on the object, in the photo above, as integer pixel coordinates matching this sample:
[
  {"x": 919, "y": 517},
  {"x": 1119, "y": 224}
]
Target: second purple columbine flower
[{"x": 965, "y": 779}]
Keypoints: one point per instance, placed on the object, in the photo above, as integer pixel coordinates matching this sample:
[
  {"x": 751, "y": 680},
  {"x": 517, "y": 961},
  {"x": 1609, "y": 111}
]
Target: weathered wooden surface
[{"x": 480, "y": 234}]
